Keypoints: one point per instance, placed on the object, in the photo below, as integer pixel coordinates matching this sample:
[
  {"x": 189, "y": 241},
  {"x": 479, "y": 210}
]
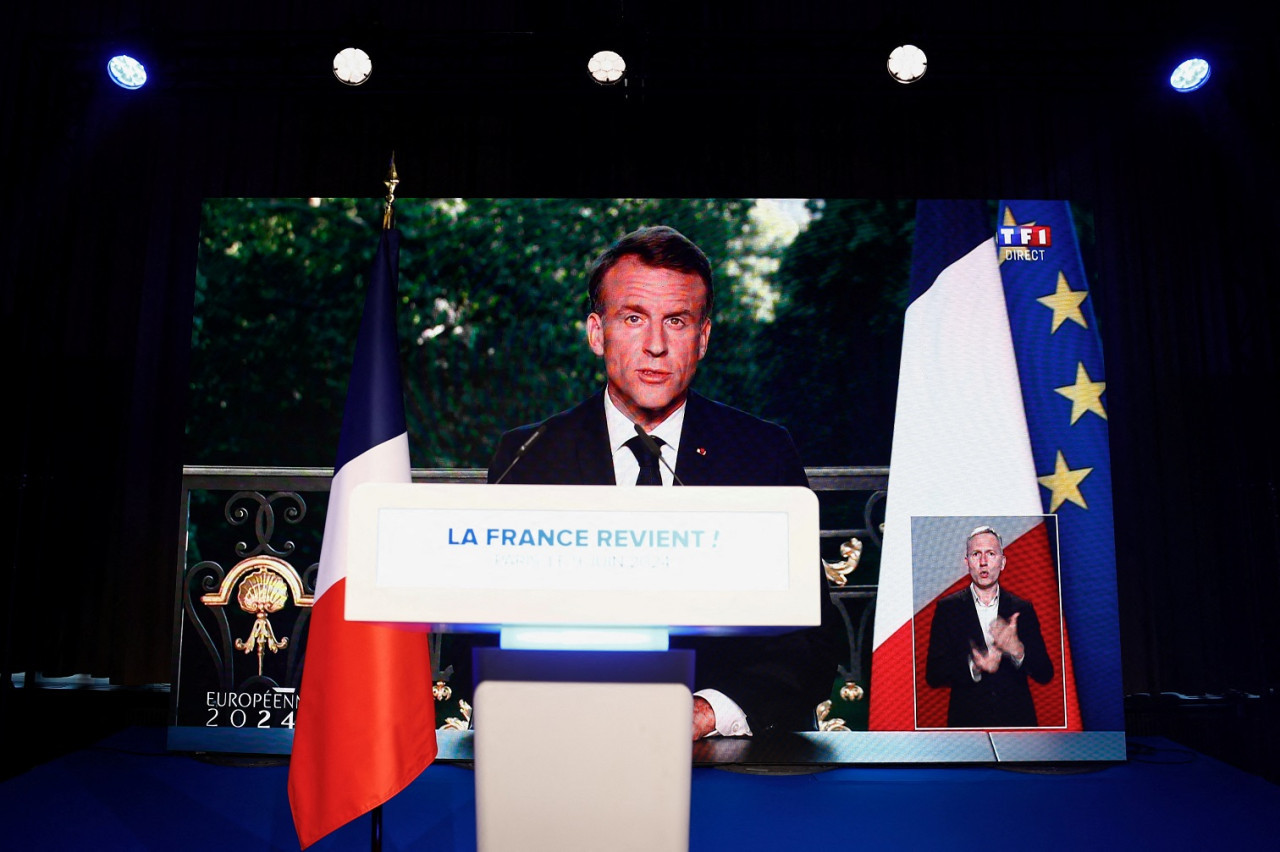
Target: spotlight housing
[
  {"x": 352, "y": 66},
  {"x": 607, "y": 67},
  {"x": 1190, "y": 75},
  {"x": 126, "y": 72},
  {"x": 907, "y": 63}
]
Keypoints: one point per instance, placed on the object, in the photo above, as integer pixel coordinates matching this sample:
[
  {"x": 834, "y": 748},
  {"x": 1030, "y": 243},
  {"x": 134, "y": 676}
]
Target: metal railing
[{"x": 243, "y": 512}]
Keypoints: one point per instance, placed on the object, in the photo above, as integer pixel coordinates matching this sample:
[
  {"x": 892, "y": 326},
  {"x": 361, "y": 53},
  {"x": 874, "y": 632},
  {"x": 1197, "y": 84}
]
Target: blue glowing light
[
  {"x": 544, "y": 638},
  {"x": 1190, "y": 75},
  {"x": 126, "y": 72}
]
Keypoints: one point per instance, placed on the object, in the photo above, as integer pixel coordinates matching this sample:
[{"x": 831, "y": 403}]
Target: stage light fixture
[
  {"x": 352, "y": 66},
  {"x": 906, "y": 63},
  {"x": 1190, "y": 75},
  {"x": 126, "y": 72},
  {"x": 607, "y": 67}
]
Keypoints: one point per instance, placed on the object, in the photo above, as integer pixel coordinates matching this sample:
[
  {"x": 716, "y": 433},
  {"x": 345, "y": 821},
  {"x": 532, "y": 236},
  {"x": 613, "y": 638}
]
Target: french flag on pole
[
  {"x": 1001, "y": 415},
  {"x": 366, "y": 722}
]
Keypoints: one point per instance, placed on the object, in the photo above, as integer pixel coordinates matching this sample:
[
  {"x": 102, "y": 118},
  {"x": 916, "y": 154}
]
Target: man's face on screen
[
  {"x": 652, "y": 332},
  {"x": 985, "y": 560}
]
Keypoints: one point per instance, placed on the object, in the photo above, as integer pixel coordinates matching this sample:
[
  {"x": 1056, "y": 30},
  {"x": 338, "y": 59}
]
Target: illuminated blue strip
[
  {"x": 238, "y": 740},
  {"x": 546, "y": 638}
]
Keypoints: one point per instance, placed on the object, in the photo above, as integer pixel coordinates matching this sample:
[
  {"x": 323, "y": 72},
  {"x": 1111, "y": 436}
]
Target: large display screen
[{"x": 953, "y": 342}]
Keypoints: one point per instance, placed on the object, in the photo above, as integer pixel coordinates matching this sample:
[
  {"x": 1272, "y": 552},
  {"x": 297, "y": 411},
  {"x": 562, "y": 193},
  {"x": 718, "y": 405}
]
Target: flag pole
[
  {"x": 368, "y": 729},
  {"x": 388, "y": 221},
  {"x": 375, "y": 832},
  {"x": 392, "y": 181}
]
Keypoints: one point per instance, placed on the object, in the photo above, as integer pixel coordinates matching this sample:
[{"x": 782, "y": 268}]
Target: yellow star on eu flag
[
  {"x": 1065, "y": 304},
  {"x": 1064, "y": 484},
  {"x": 1085, "y": 395}
]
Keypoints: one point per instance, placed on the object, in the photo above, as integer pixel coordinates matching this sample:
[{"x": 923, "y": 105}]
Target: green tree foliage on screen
[
  {"x": 807, "y": 327},
  {"x": 834, "y": 349},
  {"x": 491, "y": 318},
  {"x": 277, "y": 303}
]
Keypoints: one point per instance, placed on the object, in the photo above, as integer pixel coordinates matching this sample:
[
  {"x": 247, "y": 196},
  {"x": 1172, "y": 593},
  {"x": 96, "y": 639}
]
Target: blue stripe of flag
[
  {"x": 1046, "y": 361},
  {"x": 374, "y": 411},
  {"x": 945, "y": 232}
]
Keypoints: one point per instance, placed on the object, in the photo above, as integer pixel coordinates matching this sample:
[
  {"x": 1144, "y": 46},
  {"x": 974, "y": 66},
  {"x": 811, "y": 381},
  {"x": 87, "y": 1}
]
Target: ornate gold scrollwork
[
  {"x": 455, "y": 724},
  {"x": 826, "y": 722},
  {"x": 838, "y": 572},
  {"x": 261, "y": 594},
  {"x": 263, "y": 585}
]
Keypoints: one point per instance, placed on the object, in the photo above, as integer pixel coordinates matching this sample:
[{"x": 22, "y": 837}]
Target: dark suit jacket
[
  {"x": 739, "y": 449},
  {"x": 1001, "y": 699},
  {"x": 776, "y": 680}
]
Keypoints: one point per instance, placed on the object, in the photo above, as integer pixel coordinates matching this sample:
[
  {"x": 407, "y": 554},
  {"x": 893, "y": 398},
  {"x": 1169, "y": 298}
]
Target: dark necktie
[{"x": 649, "y": 473}]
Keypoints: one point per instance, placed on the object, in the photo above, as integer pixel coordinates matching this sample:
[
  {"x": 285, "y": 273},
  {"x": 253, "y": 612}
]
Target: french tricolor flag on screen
[
  {"x": 366, "y": 721},
  {"x": 1001, "y": 414}
]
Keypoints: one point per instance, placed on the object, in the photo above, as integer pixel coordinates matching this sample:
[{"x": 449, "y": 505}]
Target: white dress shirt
[
  {"x": 987, "y": 614},
  {"x": 625, "y": 466},
  {"x": 730, "y": 720}
]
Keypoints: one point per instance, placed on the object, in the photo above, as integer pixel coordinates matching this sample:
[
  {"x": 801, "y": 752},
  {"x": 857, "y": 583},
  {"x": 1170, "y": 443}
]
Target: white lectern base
[{"x": 582, "y": 766}]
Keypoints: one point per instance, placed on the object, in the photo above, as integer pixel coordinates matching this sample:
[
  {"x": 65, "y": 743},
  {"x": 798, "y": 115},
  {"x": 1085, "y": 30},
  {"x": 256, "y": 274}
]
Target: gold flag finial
[{"x": 392, "y": 181}]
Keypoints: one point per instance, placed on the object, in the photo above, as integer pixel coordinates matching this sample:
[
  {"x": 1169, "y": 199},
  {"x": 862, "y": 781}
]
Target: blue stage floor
[{"x": 128, "y": 793}]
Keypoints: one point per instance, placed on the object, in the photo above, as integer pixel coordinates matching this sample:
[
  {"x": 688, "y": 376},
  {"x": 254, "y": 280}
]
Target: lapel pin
[{"x": 702, "y": 451}]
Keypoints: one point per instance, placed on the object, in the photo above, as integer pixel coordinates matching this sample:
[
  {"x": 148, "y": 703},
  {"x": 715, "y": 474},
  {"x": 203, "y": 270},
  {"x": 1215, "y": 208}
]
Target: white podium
[{"x": 578, "y": 749}]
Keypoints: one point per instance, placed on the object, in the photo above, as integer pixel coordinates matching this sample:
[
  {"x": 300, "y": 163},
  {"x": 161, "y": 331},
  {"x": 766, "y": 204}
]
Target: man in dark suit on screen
[
  {"x": 651, "y": 297},
  {"x": 984, "y": 643}
]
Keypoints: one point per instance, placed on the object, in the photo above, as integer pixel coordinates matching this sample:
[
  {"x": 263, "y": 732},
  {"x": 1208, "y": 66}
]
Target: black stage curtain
[{"x": 103, "y": 192}]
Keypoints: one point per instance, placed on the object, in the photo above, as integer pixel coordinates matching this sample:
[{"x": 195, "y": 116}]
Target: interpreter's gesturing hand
[
  {"x": 985, "y": 661},
  {"x": 1004, "y": 637}
]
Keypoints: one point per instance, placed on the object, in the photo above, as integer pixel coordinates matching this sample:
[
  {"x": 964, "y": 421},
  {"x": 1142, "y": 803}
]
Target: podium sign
[{"x": 702, "y": 559}]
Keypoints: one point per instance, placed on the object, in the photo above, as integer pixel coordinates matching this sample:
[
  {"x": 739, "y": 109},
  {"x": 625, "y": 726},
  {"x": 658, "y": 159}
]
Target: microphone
[
  {"x": 524, "y": 448},
  {"x": 652, "y": 446}
]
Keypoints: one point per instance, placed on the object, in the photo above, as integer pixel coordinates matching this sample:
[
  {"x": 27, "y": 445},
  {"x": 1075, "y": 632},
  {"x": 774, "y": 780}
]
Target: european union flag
[{"x": 1061, "y": 371}]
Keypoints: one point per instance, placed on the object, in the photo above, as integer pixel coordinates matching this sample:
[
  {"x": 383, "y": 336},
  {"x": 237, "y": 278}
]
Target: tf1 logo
[{"x": 1024, "y": 236}]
